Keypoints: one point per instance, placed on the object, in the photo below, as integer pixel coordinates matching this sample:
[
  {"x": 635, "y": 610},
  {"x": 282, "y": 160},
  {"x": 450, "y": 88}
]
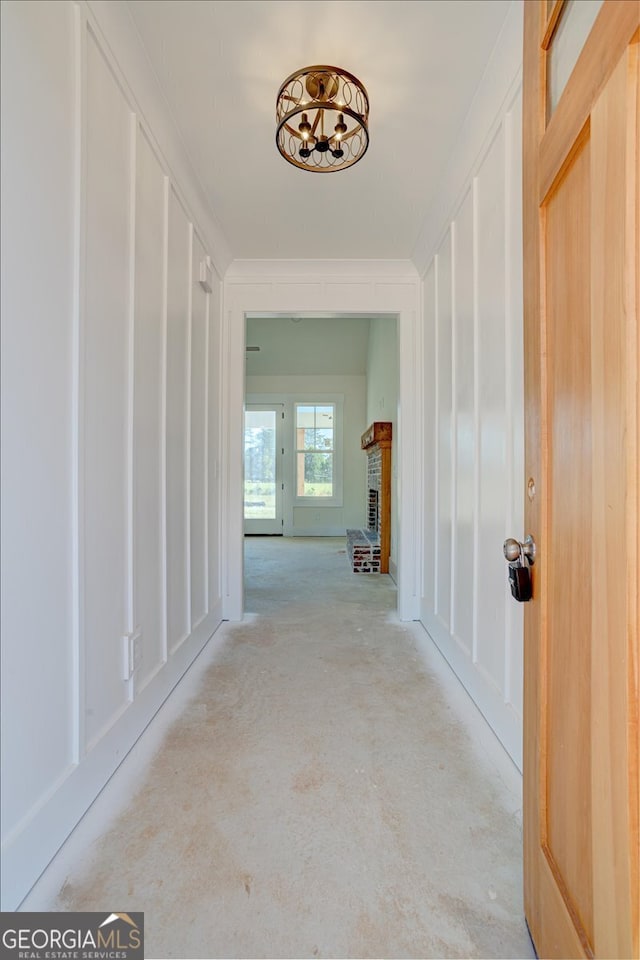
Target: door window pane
[
  {"x": 576, "y": 20},
  {"x": 260, "y": 465}
]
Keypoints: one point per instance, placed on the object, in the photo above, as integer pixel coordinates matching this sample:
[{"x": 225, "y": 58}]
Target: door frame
[{"x": 324, "y": 289}]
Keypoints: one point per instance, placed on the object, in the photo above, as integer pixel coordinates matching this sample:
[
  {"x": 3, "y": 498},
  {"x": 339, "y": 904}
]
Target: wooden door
[{"x": 581, "y": 216}]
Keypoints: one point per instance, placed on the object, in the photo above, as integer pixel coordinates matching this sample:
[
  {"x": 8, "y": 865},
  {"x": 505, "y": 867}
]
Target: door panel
[
  {"x": 581, "y": 748},
  {"x": 568, "y": 634},
  {"x": 615, "y": 125}
]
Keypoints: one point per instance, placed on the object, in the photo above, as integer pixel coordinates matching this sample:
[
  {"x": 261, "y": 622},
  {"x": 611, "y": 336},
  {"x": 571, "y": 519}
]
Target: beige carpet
[{"x": 318, "y": 786}]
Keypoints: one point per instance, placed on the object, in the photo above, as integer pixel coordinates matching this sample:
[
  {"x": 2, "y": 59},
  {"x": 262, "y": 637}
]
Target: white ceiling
[{"x": 220, "y": 64}]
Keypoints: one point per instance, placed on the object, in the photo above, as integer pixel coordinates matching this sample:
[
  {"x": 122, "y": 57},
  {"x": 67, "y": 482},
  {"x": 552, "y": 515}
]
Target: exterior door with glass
[{"x": 263, "y": 478}]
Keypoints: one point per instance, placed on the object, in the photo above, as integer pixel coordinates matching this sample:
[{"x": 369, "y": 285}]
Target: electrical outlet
[
  {"x": 126, "y": 657},
  {"x": 131, "y": 653},
  {"x": 137, "y": 649}
]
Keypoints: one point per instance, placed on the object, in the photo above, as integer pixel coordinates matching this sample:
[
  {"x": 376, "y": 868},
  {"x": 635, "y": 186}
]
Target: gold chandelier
[{"x": 322, "y": 115}]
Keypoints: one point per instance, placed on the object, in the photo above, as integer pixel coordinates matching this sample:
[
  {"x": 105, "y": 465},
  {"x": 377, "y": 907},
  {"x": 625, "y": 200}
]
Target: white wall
[
  {"x": 382, "y": 403},
  {"x": 111, "y": 368},
  {"x": 471, "y": 251},
  {"x": 321, "y": 520}
]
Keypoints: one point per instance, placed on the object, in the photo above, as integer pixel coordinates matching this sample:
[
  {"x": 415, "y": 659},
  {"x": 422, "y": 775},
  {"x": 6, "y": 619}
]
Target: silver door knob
[{"x": 513, "y": 549}]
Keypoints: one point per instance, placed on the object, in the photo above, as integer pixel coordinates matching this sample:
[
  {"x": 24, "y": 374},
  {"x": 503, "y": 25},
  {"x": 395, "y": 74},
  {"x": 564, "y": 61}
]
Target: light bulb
[{"x": 304, "y": 126}]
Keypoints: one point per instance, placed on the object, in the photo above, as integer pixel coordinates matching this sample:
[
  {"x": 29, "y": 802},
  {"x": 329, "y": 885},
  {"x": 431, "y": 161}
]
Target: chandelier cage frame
[{"x": 314, "y": 94}]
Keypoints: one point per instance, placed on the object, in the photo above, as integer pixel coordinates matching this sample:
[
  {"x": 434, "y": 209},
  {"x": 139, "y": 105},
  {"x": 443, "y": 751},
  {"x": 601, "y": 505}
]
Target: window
[{"x": 315, "y": 453}]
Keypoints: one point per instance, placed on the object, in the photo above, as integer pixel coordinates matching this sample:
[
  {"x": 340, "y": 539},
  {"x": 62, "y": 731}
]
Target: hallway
[{"x": 318, "y": 786}]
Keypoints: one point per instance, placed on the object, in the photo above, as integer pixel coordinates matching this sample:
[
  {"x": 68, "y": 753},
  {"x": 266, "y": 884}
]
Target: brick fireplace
[
  {"x": 374, "y": 510},
  {"x": 368, "y": 548}
]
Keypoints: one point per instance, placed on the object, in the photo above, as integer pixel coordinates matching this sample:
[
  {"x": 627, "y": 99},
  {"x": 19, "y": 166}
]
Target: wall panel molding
[
  {"x": 77, "y": 390},
  {"x": 118, "y": 32},
  {"x": 131, "y": 359},
  {"x": 163, "y": 419},
  {"x": 147, "y": 412},
  {"x": 214, "y": 445},
  {"x": 474, "y": 482},
  {"x": 93, "y": 402},
  {"x": 107, "y": 408},
  {"x": 178, "y": 423},
  {"x": 208, "y": 397},
  {"x": 501, "y": 79},
  {"x": 198, "y": 434}
]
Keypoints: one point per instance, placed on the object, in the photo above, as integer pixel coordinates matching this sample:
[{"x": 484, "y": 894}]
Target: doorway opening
[{"x": 313, "y": 386}]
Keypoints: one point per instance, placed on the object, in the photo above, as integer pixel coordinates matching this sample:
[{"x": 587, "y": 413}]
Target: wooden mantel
[
  {"x": 379, "y": 432},
  {"x": 378, "y": 436}
]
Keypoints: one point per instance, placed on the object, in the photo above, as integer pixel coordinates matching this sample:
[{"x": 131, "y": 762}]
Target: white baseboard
[
  {"x": 29, "y": 849},
  {"x": 315, "y": 532},
  {"x": 500, "y": 716}
]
